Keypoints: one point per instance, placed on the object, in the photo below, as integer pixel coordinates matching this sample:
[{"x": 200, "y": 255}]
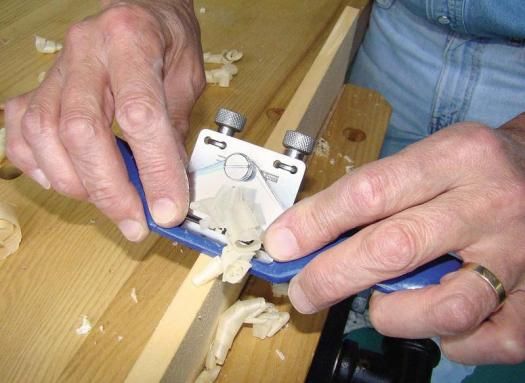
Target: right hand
[{"x": 140, "y": 62}]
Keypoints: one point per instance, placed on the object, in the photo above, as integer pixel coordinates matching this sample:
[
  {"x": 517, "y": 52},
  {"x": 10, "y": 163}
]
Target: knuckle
[
  {"x": 137, "y": 114},
  {"x": 124, "y": 20},
  {"x": 36, "y": 122},
  {"x": 391, "y": 247},
  {"x": 154, "y": 170},
  {"x": 105, "y": 196},
  {"x": 481, "y": 140},
  {"x": 77, "y": 33},
  {"x": 68, "y": 187},
  {"x": 367, "y": 193},
  {"x": 456, "y": 314},
  {"x": 512, "y": 347},
  {"x": 76, "y": 131}
]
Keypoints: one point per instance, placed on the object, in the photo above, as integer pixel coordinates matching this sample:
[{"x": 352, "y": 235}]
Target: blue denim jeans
[{"x": 434, "y": 76}]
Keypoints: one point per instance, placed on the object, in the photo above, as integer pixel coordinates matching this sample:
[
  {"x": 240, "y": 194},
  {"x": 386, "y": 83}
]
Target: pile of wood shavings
[
  {"x": 266, "y": 321},
  {"x": 223, "y": 75}
]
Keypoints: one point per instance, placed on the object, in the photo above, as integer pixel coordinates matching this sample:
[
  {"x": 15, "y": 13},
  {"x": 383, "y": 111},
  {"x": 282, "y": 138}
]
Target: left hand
[{"x": 461, "y": 190}]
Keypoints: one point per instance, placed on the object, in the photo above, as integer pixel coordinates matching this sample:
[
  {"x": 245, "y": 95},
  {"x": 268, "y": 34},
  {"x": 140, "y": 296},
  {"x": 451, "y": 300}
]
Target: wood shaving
[
  {"x": 10, "y": 233},
  {"x": 41, "y": 77},
  {"x": 263, "y": 257},
  {"x": 85, "y": 327},
  {"x": 322, "y": 148},
  {"x": 221, "y": 76},
  {"x": 133, "y": 295},
  {"x": 101, "y": 329},
  {"x": 230, "y": 210},
  {"x": 351, "y": 164},
  {"x": 225, "y": 57},
  {"x": 264, "y": 317},
  {"x": 208, "y": 376},
  {"x": 44, "y": 45},
  {"x": 202, "y": 11},
  {"x": 2, "y": 144},
  {"x": 120, "y": 338},
  {"x": 280, "y": 354},
  {"x": 280, "y": 289}
]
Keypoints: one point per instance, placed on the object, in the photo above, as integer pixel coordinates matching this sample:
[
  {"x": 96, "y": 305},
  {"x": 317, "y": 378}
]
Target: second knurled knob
[
  {"x": 229, "y": 122},
  {"x": 298, "y": 144}
]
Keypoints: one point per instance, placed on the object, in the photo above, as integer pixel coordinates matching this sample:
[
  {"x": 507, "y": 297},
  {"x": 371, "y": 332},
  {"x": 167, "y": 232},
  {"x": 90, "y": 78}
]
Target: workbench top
[{"x": 74, "y": 262}]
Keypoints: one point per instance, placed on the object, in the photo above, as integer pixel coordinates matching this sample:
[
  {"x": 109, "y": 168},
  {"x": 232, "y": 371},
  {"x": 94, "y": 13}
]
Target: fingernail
[
  {"x": 164, "y": 211},
  {"x": 133, "y": 230},
  {"x": 281, "y": 244},
  {"x": 299, "y": 299},
  {"x": 39, "y": 176}
]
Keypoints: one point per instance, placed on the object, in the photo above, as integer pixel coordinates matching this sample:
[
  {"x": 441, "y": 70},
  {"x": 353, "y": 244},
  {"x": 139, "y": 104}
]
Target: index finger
[
  {"x": 135, "y": 63},
  {"x": 375, "y": 191},
  {"x": 387, "y": 249}
]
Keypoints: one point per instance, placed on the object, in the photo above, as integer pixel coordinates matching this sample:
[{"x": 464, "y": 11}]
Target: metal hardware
[
  {"x": 281, "y": 165},
  {"x": 210, "y": 141},
  {"x": 229, "y": 122},
  {"x": 238, "y": 167},
  {"x": 297, "y": 144}
]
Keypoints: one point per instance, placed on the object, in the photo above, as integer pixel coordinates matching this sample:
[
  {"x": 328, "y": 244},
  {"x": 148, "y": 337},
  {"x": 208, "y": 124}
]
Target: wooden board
[{"x": 72, "y": 260}]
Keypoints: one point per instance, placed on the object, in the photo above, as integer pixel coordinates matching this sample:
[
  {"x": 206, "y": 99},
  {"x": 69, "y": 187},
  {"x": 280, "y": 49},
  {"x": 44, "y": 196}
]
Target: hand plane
[{"x": 220, "y": 159}]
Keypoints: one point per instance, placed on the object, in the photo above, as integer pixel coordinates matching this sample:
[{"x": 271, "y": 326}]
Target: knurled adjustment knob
[
  {"x": 229, "y": 122},
  {"x": 298, "y": 144}
]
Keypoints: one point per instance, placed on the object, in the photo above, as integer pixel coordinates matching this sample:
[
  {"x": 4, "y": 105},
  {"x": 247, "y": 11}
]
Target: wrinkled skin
[
  {"x": 462, "y": 190},
  {"x": 137, "y": 61}
]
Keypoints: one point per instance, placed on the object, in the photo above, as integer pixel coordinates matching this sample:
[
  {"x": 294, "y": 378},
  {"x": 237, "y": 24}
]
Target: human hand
[
  {"x": 461, "y": 190},
  {"x": 140, "y": 61}
]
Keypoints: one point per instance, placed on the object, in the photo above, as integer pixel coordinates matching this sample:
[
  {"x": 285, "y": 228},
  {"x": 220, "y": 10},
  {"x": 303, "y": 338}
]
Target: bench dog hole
[{"x": 355, "y": 135}]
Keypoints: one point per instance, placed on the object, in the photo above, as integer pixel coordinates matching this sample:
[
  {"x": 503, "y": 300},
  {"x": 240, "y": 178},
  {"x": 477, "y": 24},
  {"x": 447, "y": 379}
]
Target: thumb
[{"x": 375, "y": 191}]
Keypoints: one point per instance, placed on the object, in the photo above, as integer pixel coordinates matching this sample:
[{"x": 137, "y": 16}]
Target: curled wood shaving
[
  {"x": 44, "y": 45},
  {"x": 208, "y": 376},
  {"x": 261, "y": 314},
  {"x": 225, "y": 57},
  {"x": 230, "y": 210},
  {"x": 10, "y": 233},
  {"x": 221, "y": 76}
]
